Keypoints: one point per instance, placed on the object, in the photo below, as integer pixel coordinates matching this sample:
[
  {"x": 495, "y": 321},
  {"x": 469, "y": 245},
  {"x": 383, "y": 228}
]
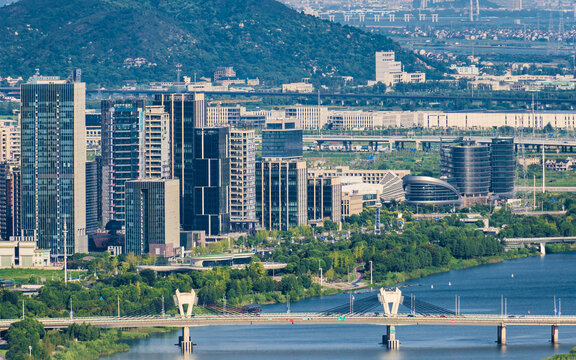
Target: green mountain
[{"x": 260, "y": 38}]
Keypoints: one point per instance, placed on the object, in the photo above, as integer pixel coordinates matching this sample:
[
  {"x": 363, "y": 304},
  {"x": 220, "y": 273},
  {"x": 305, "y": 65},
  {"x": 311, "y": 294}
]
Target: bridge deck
[{"x": 307, "y": 319}]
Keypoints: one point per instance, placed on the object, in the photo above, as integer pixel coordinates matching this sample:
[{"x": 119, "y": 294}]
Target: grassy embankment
[
  {"x": 569, "y": 356},
  {"x": 36, "y": 276},
  {"x": 111, "y": 342}
]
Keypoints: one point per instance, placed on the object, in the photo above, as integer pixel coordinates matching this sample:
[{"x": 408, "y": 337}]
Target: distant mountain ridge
[{"x": 114, "y": 40}]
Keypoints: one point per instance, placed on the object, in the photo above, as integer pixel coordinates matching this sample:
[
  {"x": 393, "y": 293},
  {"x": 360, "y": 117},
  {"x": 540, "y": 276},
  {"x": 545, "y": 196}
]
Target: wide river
[{"x": 529, "y": 286}]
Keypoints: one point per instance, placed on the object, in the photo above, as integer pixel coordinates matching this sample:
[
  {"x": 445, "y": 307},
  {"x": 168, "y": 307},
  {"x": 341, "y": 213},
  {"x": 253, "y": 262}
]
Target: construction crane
[{"x": 239, "y": 101}]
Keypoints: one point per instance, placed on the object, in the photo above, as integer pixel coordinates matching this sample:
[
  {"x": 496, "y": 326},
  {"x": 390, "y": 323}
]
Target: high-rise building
[
  {"x": 186, "y": 112},
  {"x": 281, "y": 193},
  {"x": 281, "y": 139},
  {"x": 242, "y": 179},
  {"x": 53, "y": 164},
  {"x": 92, "y": 197},
  {"x": 324, "y": 199},
  {"x": 156, "y": 143},
  {"x": 9, "y": 141},
  {"x": 4, "y": 201},
  {"x": 122, "y": 155},
  {"x": 13, "y": 199},
  {"x": 211, "y": 180},
  {"x": 502, "y": 166},
  {"x": 467, "y": 168},
  {"x": 152, "y": 217}
]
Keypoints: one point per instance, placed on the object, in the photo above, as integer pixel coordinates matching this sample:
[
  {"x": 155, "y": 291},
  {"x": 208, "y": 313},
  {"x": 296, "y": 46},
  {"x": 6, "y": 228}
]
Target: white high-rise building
[
  {"x": 242, "y": 179},
  {"x": 156, "y": 152},
  {"x": 389, "y": 71}
]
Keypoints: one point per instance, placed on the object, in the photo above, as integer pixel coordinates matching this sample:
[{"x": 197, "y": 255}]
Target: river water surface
[{"x": 529, "y": 286}]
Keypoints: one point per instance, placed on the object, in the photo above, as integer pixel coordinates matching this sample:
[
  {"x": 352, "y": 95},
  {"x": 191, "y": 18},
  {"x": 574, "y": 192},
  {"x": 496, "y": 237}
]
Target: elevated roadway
[
  {"x": 307, "y": 319},
  {"x": 341, "y": 96},
  {"x": 433, "y": 140}
]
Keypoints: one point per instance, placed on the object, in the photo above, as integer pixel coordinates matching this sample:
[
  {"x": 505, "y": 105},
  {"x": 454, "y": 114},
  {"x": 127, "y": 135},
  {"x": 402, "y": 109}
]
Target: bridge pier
[
  {"x": 502, "y": 334},
  {"x": 554, "y": 335},
  {"x": 186, "y": 344},
  {"x": 390, "y": 338}
]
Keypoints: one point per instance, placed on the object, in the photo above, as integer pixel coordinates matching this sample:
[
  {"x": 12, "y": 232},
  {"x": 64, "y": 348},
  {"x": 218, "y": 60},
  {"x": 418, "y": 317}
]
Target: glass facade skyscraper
[
  {"x": 186, "y": 113},
  {"x": 503, "y": 166},
  {"x": 152, "y": 217},
  {"x": 281, "y": 193},
  {"x": 122, "y": 156},
  {"x": 281, "y": 139},
  {"x": 211, "y": 180},
  {"x": 53, "y": 164}
]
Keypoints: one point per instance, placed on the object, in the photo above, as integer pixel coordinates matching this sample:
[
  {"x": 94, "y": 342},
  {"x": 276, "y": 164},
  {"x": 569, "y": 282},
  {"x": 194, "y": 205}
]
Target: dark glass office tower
[
  {"x": 187, "y": 112},
  {"x": 467, "y": 167},
  {"x": 53, "y": 164},
  {"x": 503, "y": 163},
  {"x": 152, "y": 217},
  {"x": 281, "y": 139},
  {"x": 211, "y": 180},
  {"x": 281, "y": 193},
  {"x": 4, "y": 201},
  {"x": 122, "y": 158},
  {"x": 91, "y": 197}
]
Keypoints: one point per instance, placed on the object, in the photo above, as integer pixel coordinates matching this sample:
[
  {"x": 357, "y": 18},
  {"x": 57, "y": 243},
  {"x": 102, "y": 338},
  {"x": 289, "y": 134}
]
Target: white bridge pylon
[
  {"x": 390, "y": 297},
  {"x": 190, "y": 299}
]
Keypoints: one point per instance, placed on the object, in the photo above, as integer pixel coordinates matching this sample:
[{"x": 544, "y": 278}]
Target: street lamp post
[{"x": 370, "y": 272}]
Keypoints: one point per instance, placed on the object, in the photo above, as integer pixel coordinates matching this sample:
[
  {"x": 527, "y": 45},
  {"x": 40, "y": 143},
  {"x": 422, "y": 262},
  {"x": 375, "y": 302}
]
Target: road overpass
[
  {"x": 540, "y": 240},
  {"x": 424, "y": 142},
  {"x": 328, "y": 96}
]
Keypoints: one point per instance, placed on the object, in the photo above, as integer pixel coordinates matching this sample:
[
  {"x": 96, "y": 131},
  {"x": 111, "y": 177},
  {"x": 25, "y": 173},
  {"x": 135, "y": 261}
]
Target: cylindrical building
[
  {"x": 502, "y": 164},
  {"x": 467, "y": 167}
]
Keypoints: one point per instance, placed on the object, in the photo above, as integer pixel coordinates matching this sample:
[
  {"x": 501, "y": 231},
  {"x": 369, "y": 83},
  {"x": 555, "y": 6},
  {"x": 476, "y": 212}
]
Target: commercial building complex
[{"x": 425, "y": 190}]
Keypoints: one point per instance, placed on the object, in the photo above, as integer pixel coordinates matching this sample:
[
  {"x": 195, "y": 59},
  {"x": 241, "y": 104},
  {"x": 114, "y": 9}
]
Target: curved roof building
[{"x": 427, "y": 190}]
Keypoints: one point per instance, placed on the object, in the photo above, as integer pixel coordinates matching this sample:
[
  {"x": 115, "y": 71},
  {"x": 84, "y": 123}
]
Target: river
[{"x": 529, "y": 286}]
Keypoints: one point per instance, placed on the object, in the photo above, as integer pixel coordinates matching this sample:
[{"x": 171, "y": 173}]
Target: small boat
[
  {"x": 449, "y": 283},
  {"x": 512, "y": 276},
  {"x": 432, "y": 286}
]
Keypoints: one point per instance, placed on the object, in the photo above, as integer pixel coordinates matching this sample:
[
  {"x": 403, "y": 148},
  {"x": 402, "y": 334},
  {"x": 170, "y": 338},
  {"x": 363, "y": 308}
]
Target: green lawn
[{"x": 25, "y": 274}]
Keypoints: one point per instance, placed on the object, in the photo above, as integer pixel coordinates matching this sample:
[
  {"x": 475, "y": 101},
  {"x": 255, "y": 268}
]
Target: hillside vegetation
[{"x": 260, "y": 38}]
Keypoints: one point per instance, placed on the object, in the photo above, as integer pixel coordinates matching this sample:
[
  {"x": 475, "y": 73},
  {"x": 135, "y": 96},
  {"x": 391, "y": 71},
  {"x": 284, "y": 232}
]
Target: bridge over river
[{"x": 375, "y": 309}]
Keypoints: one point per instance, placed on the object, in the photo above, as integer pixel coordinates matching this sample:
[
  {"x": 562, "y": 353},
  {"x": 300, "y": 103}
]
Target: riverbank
[
  {"x": 481, "y": 289},
  {"x": 568, "y": 356},
  {"x": 111, "y": 342}
]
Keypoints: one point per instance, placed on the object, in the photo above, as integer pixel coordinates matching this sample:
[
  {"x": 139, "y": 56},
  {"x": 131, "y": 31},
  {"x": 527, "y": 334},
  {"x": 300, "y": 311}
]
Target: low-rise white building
[
  {"x": 22, "y": 251},
  {"x": 300, "y": 87}
]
